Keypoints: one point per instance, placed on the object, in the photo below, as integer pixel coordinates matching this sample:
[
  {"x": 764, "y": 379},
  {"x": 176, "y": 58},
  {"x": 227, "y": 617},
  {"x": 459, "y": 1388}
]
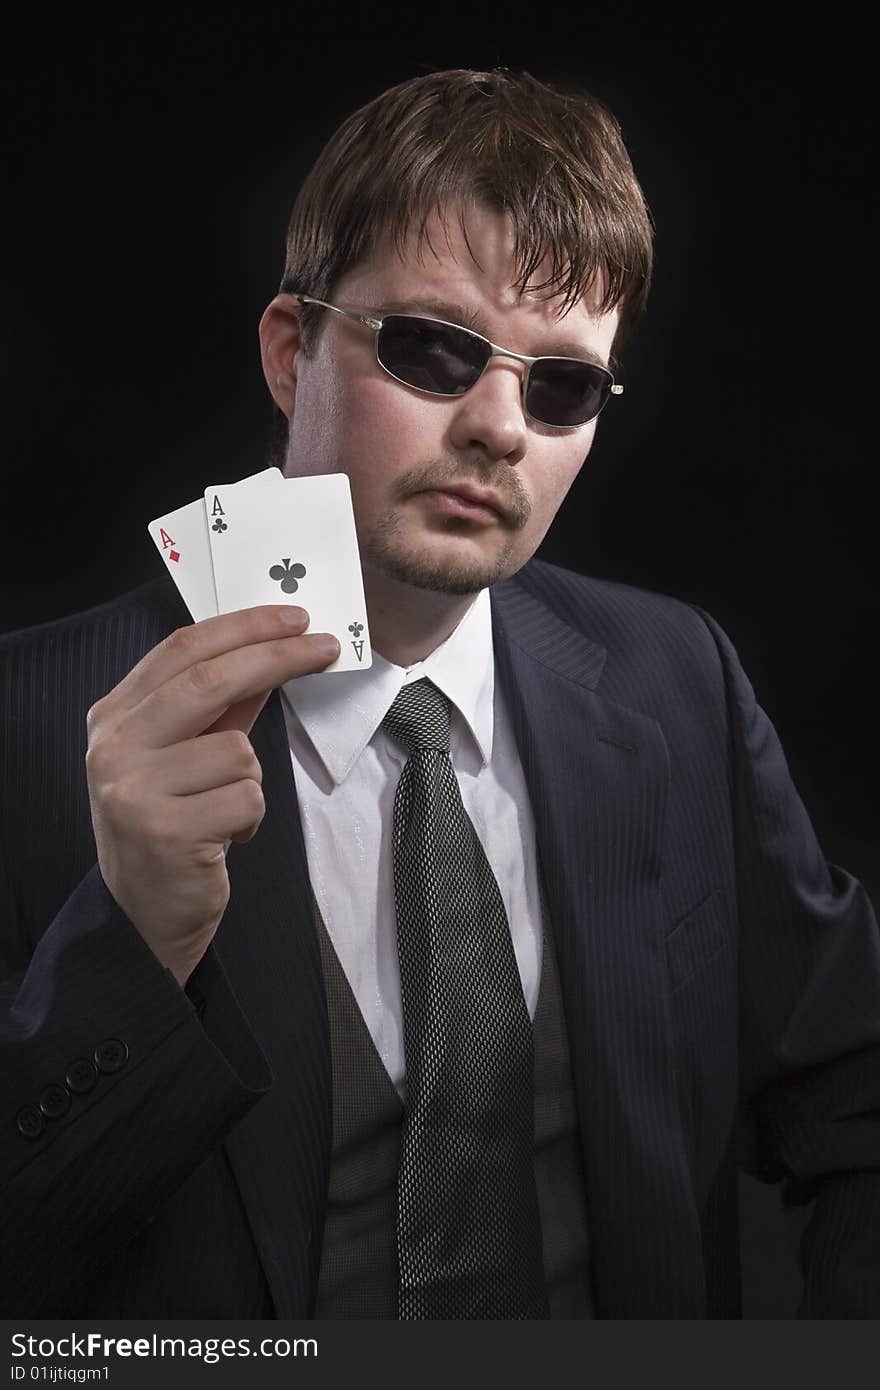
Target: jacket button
[
  {"x": 30, "y": 1122},
  {"x": 55, "y": 1102},
  {"x": 81, "y": 1076},
  {"x": 110, "y": 1055}
]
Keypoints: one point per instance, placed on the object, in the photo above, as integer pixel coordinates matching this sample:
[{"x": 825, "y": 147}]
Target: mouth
[{"x": 465, "y": 501}]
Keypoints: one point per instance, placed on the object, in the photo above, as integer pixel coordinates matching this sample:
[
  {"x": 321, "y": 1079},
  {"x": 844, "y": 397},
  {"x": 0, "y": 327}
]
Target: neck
[{"x": 406, "y": 623}]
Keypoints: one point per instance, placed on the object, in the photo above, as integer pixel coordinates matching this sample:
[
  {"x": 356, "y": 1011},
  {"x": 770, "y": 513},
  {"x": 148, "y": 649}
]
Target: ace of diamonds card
[{"x": 181, "y": 538}]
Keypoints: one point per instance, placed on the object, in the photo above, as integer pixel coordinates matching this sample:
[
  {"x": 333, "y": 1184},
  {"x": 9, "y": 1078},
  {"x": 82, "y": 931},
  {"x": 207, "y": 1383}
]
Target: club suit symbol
[
  {"x": 356, "y": 629},
  {"x": 290, "y": 575},
  {"x": 219, "y": 526}
]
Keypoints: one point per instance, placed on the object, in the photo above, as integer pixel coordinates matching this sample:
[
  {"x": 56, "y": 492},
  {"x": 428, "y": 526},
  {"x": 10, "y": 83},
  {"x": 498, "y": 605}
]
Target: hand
[{"x": 172, "y": 775}]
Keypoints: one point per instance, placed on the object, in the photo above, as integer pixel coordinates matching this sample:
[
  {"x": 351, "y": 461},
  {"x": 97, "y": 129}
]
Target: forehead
[{"x": 467, "y": 274}]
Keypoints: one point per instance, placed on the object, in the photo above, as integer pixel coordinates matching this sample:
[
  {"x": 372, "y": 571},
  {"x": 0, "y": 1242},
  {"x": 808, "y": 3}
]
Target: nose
[{"x": 489, "y": 416}]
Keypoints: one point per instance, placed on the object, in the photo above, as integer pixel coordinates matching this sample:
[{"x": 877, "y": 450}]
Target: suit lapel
[
  {"x": 267, "y": 943},
  {"x": 597, "y": 775}
]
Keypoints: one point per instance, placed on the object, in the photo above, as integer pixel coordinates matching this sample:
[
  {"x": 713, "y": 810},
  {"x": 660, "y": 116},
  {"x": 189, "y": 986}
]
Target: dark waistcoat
[{"x": 358, "y": 1275}]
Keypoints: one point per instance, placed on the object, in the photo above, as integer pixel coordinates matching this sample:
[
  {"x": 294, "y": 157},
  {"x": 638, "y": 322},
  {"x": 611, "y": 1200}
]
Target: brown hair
[{"x": 553, "y": 158}]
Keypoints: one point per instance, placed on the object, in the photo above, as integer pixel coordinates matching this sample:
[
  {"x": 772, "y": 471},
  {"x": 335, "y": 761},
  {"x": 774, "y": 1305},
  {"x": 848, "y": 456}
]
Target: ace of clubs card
[{"x": 292, "y": 543}]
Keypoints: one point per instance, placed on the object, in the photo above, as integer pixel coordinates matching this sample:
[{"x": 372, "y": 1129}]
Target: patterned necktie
[{"x": 468, "y": 1228}]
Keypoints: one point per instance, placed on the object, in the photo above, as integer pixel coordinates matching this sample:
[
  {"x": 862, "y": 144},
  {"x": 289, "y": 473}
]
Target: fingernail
[
  {"x": 324, "y": 643},
  {"x": 291, "y": 616}
]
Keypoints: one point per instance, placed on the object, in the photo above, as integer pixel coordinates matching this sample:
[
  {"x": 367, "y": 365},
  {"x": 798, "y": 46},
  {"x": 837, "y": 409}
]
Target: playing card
[
  {"x": 272, "y": 477},
  {"x": 181, "y": 538},
  {"x": 301, "y": 549}
]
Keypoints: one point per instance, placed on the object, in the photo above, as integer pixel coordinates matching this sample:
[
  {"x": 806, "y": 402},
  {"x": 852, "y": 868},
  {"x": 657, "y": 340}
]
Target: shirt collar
[{"x": 341, "y": 712}]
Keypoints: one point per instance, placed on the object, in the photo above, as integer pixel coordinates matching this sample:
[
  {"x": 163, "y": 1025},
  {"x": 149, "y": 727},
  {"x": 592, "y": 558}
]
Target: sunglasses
[{"x": 447, "y": 360}]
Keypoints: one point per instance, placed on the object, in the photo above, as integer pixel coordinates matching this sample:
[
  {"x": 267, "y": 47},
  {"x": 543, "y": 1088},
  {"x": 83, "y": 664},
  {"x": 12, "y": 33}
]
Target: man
[{"x": 457, "y": 987}]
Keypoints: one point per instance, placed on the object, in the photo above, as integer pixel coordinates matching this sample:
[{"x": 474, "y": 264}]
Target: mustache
[{"x": 515, "y": 505}]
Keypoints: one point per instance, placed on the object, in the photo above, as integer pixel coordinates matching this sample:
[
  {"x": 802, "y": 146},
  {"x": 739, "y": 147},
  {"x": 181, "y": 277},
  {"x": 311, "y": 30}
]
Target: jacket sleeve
[
  {"x": 115, "y": 1084},
  {"x": 809, "y": 988}
]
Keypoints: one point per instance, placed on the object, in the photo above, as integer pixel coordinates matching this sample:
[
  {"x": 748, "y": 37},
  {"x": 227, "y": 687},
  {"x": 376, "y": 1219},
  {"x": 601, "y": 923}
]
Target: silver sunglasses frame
[{"x": 370, "y": 321}]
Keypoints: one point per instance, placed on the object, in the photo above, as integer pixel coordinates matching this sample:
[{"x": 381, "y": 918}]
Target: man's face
[{"x": 401, "y": 448}]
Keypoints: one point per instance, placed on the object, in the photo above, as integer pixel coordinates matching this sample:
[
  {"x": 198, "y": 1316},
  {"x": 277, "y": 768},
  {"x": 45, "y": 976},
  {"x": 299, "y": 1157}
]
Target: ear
[{"x": 279, "y": 347}]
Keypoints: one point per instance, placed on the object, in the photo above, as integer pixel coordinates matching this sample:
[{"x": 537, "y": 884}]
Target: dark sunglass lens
[
  {"x": 431, "y": 355},
  {"x": 562, "y": 392}
]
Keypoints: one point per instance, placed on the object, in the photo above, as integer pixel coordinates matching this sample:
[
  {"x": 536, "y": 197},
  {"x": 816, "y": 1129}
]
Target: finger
[
  {"x": 217, "y": 759},
  {"x": 240, "y": 716},
  {"x": 193, "y": 701},
  {"x": 216, "y": 817},
  {"x": 198, "y": 642}
]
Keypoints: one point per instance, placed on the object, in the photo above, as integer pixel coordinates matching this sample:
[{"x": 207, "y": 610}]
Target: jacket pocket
[{"x": 695, "y": 939}]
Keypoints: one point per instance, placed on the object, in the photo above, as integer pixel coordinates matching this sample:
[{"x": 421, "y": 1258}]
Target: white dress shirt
[{"x": 346, "y": 769}]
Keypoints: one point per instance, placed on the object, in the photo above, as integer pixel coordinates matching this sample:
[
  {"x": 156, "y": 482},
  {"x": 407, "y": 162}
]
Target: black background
[{"x": 149, "y": 170}]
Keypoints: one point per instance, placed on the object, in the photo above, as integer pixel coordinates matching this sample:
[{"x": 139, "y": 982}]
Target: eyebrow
[{"x": 472, "y": 319}]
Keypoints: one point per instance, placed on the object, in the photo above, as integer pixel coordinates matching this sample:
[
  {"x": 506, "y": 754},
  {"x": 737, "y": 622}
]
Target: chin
[{"x": 449, "y": 568}]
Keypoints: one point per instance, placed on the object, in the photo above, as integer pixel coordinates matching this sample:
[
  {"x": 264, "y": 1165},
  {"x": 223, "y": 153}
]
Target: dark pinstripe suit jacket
[{"x": 721, "y": 985}]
